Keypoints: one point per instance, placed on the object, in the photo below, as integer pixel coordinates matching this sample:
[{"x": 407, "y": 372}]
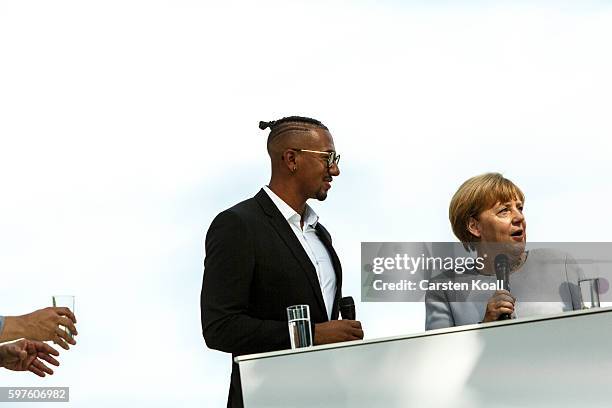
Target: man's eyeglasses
[{"x": 332, "y": 157}]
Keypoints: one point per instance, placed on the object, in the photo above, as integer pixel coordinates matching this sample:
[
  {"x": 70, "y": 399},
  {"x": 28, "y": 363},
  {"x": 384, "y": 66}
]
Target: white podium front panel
[{"x": 556, "y": 361}]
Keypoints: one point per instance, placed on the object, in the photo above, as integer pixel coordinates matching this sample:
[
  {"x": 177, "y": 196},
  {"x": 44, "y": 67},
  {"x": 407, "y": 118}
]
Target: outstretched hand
[{"x": 28, "y": 355}]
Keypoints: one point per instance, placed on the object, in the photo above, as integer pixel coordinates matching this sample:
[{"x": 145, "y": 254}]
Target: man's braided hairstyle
[{"x": 287, "y": 124}]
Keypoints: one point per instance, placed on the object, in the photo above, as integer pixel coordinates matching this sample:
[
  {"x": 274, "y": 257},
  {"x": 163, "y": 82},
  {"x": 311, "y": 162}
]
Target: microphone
[
  {"x": 347, "y": 308},
  {"x": 502, "y": 272}
]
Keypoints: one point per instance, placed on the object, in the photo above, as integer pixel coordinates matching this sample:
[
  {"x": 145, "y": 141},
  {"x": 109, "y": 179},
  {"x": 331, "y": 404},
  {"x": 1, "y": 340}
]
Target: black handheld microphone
[
  {"x": 502, "y": 273},
  {"x": 347, "y": 308}
]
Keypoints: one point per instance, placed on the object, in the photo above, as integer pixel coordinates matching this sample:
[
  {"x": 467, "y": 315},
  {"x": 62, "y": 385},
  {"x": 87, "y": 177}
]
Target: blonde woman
[{"x": 486, "y": 214}]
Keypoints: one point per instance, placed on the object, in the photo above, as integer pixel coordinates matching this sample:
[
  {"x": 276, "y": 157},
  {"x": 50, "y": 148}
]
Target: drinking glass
[
  {"x": 64, "y": 301},
  {"x": 589, "y": 289},
  {"x": 300, "y": 331}
]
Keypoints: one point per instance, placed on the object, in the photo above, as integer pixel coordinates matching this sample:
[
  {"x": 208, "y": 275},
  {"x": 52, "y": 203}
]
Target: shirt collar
[{"x": 310, "y": 217}]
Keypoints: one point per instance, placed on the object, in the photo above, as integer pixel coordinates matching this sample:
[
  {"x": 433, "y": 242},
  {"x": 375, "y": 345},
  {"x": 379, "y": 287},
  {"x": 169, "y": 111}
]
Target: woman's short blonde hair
[{"x": 476, "y": 195}]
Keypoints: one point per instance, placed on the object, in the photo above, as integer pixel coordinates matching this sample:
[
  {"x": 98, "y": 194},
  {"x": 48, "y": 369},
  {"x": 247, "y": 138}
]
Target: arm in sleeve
[
  {"x": 228, "y": 272},
  {"x": 438, "y": 314}
]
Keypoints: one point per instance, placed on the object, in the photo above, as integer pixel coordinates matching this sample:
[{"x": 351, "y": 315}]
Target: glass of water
[
  {"x": 300, "y": 331},
  {"x": 64, "y": 301},
  {"x": 589, "y": 291}
]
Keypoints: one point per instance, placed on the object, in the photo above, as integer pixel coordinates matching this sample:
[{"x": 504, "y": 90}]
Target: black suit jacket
[{"x": 255, "y": 267}]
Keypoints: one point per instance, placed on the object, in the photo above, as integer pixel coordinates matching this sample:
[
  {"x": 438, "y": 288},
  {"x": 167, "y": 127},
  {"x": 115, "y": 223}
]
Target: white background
[{"x": 126, "y": 126}]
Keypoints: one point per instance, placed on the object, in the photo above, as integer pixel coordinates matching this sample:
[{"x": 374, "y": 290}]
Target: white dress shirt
[{"x": 313, "y": 246}]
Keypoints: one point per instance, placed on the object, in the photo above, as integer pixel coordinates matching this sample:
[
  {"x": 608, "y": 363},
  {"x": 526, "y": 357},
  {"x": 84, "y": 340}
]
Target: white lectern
[{"x": 553, "y": 361}]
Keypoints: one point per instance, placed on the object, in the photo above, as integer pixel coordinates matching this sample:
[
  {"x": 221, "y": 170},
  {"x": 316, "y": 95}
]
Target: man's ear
[
  {"x": 290, "y": 159},
  {"x": 473, "y": 226}
]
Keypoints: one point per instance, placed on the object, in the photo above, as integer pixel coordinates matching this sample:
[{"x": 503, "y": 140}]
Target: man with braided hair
[{"x": 270, "y": 252}]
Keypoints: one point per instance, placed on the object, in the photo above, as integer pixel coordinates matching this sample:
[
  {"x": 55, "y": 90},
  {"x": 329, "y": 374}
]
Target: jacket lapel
[{"x": 280, "y": 224}]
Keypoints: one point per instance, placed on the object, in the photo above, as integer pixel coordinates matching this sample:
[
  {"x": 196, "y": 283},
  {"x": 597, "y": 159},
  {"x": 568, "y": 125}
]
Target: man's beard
[{"x": 321, "y": 195}]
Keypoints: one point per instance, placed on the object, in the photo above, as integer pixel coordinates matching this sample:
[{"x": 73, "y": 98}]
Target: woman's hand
[{"x": 502, "y": 302}]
